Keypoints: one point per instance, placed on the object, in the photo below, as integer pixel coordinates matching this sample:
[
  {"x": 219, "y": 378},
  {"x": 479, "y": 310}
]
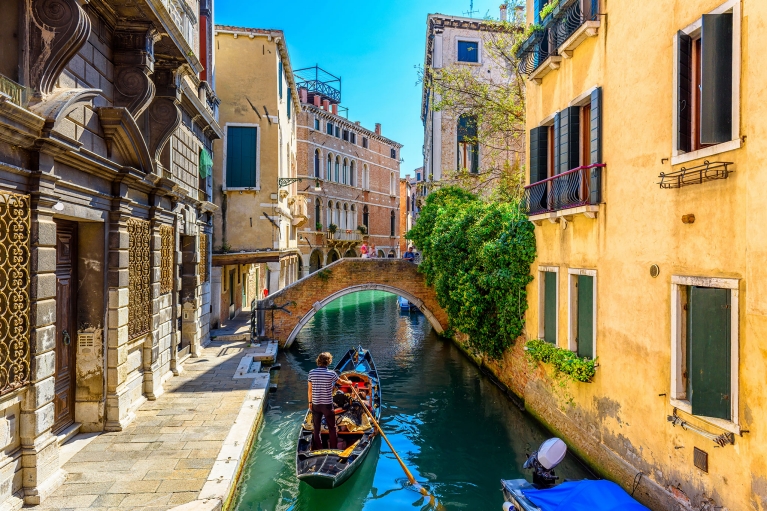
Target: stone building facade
[
  {"x": 351, "y": 179},
  {"x": 256, "y": 228},
  {"x": 106, "y": 218},
  {"x": 407, "y": 208}
]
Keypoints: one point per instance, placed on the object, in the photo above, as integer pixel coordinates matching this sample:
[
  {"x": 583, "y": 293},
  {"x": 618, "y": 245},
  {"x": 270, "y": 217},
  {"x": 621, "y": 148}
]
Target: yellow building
[
  {"x": 645, "y": 123},
  {"x": 255, "y": 241}
]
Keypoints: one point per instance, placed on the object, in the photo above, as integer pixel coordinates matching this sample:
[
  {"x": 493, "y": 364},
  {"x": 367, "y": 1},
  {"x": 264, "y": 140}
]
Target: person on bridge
[
  {"x": 321, "y": 384},
  {"x": 409, "y": 255}
]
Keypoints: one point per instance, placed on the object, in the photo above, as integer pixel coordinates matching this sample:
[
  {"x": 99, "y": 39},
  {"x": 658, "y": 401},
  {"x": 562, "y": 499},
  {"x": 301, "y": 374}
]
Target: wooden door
[{"x": 66, "y": 324}]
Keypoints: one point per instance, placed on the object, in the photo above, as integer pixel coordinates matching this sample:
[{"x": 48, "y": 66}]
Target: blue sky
[{"x": 374, "y": 46}]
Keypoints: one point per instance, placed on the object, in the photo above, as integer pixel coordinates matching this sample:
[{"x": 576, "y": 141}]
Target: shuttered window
[
  {"x": 595, "y": 147},
  {"x": 550, "y": 307},
  {"x": 468, "y": 51},
  {"x": 279, "y": 79},
  {"x": 241, "y": 154},
  {"x": 585, "y": 316},
  {"x": 290, "y": 102},
  {"x": 708, "y": 363},
  {"x": 569, "y": 145},
  {"x": 539, "y": 146},
  {"x": 329, "y": 128}
]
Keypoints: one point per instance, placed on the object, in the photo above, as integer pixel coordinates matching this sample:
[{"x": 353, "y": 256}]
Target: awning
[{"x": 206, "y": 163}]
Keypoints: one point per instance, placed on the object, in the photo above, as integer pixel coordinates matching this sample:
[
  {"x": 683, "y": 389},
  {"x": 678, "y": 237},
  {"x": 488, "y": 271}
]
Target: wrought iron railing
[
  {"x": 566, "y": 18},
  {"x": 10, "y": 88},
  {"x": 696, "y": 175},
  {"x": 580, "y": 186}
]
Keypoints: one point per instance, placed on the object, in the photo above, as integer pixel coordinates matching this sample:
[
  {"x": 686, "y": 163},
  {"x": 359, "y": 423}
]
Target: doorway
[{"x": 66, "y": 324}]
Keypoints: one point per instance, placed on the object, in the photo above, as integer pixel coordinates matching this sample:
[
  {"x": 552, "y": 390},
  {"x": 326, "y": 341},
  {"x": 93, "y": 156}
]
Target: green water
[{"x": 457, "y": 432}]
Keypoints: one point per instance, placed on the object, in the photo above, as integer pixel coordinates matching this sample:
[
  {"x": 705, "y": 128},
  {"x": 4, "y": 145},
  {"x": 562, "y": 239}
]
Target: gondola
[{"x": 329, "y": 468}]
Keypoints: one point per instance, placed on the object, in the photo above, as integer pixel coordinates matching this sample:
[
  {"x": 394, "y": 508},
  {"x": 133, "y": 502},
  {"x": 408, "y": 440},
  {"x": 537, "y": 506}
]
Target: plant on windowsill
[
  {"x": 549, "y": 9},
  {"x": 528, "y": 38},
  {"x": 564, "y": 362},
  {"x": 318, "y": 227},
  {"x": 362, "y": 229},
  {"x": 332, "y": 228}
]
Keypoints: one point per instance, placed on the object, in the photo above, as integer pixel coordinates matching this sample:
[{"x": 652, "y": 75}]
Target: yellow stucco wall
[
  {"x": 247, "y": 70},
  {"x": 632, "y": 58}
]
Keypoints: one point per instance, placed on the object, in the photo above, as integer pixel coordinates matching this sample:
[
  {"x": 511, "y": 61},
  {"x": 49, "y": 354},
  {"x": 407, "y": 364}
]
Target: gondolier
[{"x": 322, "y": 381}]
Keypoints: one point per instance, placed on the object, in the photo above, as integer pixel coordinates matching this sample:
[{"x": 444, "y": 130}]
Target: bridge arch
[{"x": 294, "y": 306}]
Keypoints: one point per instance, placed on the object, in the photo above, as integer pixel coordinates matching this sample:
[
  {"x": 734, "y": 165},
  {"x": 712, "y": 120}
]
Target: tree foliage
[{"x": 477, "y": 256}]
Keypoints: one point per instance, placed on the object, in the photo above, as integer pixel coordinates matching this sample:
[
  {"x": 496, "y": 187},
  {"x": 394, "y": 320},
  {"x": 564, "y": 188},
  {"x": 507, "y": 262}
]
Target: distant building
[
  {"x": 407, "y": 195},
  {"x": 450, "y": 141},
  {"x": 255, "y": 235},
  {"x": 351, "y": 177}
]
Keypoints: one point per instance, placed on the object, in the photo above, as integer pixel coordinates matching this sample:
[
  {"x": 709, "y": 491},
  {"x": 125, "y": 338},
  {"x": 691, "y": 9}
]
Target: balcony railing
[
  {"x": 581, "y": 186},
  {"x": 568, "y": 16},
  {"x": 340, "y": 235},
  {"x": 10, "y": 88}
]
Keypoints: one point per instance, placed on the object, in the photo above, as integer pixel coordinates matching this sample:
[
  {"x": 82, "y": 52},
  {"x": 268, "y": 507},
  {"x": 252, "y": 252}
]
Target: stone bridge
[{"x": 288, "y": 310}]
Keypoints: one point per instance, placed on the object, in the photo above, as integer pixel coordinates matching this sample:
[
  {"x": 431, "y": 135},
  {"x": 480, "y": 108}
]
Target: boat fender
[{"x": 508, "y": 506}]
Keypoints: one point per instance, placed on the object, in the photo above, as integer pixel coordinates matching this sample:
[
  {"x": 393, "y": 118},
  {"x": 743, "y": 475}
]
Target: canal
[{"x": 457, "y": 432}]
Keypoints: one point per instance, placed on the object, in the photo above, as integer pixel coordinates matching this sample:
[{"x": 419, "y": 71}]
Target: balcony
[
  {"x": 577, "y": 191},
  {"x": 298, "y": 210},
  {"x": 569, "y": 24},
  {"x": 16, "y": 92}
]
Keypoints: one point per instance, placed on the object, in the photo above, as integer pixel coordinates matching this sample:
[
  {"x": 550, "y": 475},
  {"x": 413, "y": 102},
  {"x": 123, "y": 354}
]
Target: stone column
[
  {"x": 151, "y": 355},
  {"x": 215, "y": 296},
  {"x": 118, "y": 403},
  {"x": 274, "y": 276},
  {"x": 190, "y": 292},
  {"x": 39, "y": 448}
]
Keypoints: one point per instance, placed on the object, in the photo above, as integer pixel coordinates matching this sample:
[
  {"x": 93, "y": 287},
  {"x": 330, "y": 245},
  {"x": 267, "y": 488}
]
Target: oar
[{"x": 415, "y": 483}]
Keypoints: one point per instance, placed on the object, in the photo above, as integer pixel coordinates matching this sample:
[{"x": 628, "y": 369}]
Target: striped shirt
[{"x": 322, "y": 380}]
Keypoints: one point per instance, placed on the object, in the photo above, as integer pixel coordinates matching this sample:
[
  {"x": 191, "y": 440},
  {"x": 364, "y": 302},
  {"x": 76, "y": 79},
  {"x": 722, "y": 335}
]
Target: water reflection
[{"x": 458, "y": 433}]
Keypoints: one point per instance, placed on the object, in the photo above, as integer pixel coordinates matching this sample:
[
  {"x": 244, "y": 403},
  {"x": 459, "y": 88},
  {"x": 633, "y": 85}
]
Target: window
[
  {"x": 338, "y": 169},
  {"x": 290, "y": 103},
  {"x": 279, "y": 79},
  {"x": 317, "y": 213},
  {"x": 366, "y": 218},
  {"x": 346, "y": 135},
  {"x": 316, "y": 163},
  {"x": 329, "y": 128},
  {"x": 468, "y": 51},
  {"x": 468, "y": 146},
  {"x": 353, "y": 138},
  {"x": 345, "y": 173},
  {"x": 582, "y": 297},
  {"x": 241, "y": 157},
  {"x": 352, "y": 174},
  {"x": 707, "y": 99},
  {"x": 330, "y": 213},
  {"x": 704, "y": 351},
  {"x": 393, "y": 153},
  {"x": 365, "y": 177},
  {"x": 392, "y": 224},
  {"x": 338, "y": 132},
  {"x": 316, "y": 124},
  {"x": 548, "y": 300},
  {"x": 392, "y": 184},
  {"x": 365, "y": 142},
  {"x": 329, "y": 172}
]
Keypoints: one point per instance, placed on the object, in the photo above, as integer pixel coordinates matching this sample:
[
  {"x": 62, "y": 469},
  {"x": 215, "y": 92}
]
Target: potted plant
[
  {"x": 332, "y": 228},
  {"x": 362, "y": 229},
  {"x": 318, "y": 227}
]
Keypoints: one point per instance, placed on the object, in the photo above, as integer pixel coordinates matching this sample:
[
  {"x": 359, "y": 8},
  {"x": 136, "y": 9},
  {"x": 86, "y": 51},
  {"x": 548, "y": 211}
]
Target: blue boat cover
[{"x": 586, "y": 495}]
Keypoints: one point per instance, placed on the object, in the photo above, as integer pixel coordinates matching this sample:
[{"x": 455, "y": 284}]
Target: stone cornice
[{"x": 343, "y": 121}]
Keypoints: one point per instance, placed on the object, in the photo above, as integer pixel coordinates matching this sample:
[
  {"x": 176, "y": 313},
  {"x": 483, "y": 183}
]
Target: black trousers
[{"x": 318, "y": 412}]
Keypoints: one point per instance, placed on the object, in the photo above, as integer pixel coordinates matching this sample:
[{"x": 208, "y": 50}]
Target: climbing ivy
[{"x": 477, "y": 256}]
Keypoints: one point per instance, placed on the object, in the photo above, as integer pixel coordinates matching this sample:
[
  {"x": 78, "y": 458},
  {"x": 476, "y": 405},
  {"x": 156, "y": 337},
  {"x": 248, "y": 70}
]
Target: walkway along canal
[{"x": 455, "y": 429}]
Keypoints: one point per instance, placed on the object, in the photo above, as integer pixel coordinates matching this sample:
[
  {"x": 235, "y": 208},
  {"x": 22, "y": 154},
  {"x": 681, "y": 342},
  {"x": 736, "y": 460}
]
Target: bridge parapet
[{"x": 290, "y": 308}]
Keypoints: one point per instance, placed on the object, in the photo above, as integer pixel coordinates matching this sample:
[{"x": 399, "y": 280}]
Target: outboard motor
[{"x": 542, "y": 462}]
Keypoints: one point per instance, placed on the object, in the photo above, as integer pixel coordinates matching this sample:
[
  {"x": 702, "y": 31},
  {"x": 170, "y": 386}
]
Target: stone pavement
[{"x": 166, "y": 456}]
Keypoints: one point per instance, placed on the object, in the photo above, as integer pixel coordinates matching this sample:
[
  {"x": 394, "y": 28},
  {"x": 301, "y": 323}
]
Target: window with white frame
[
  {"x": 704, "y": 348},
  {"x": 365, "y": 177},
  {"x": 582, "y": 300},
  {"x": 707, "y": 85},
  {"x": 392, "y": 184},
  {"x": 548, "y": 304},
  {"x": 468, "y": 51}
]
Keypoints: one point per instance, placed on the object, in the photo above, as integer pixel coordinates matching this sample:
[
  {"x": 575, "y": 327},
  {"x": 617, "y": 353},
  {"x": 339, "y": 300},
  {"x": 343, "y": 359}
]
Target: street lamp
[{"x": 287, "y": 181}]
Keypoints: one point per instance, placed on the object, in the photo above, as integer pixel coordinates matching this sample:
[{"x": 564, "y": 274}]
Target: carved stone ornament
[
  {"x": 58, "y": 29},
  {"x": 134, "y": 63},
  {"x": 163, "y": 115}
]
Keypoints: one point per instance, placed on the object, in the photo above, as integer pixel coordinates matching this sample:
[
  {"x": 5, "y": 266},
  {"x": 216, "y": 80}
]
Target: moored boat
[{"x": 329, "y": 468}]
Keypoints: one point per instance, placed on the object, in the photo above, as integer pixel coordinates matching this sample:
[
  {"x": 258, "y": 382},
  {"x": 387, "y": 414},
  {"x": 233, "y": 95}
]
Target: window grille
[
  {"x": 166, "y": 258},
  {"x": 139, "y": 279}
]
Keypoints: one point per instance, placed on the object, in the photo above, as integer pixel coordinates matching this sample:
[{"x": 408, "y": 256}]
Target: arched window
[
  {"x": 317, "y": 163},
  {"x": 317, "y": 213},
  {"x": 352, "y": 174},
  {"x": 365, "y": 177},
  {"x": 330, "y": 213},
  {"x": 468, "y": 146},
  {"x": 329, "y": 172},
  {"x": 366, "y": 218},
  {"x": 353, "y": 216},
  {"x": 338, "y": 169},
  {"x": 392, "y": 224},
  {"x": 337, "y": 217},
  {"x": 393, "y": 184},
  {"x": 345, "y": 175},
  {"x": 345, "y": 218}
]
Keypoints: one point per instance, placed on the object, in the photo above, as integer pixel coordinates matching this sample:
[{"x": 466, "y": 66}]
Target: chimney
[
  {"x": 304, "y": 95},
  {"x": 378, "y": 128},
  {"x": 504, "y": 12},
  {"x": 334, "y": 108},
  {"x": 519, "y": 14},
  {"x": 357, "y": 123},
  {"x": 316, "y": 100},
  {"x": 326, "y": 104}
]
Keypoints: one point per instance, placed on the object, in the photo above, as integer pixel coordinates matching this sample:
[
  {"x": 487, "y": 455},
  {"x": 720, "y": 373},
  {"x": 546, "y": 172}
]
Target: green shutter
[
  {"x": 569, "y": 121},
  {"x": 279, "y": 80},
  {"x": 716, "y": 79},
  {"x": 709, "y": 312},
  {"x": 595, "y": 136},
  {"x": 550, "y": 307},
  {"x": 539, "y": 148},
  {"x": 684, "y": 91},
  {"x": 241, "y": 157},
  {"x": 557, "y": 124},
  {"x": 585, "y": 316}
]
